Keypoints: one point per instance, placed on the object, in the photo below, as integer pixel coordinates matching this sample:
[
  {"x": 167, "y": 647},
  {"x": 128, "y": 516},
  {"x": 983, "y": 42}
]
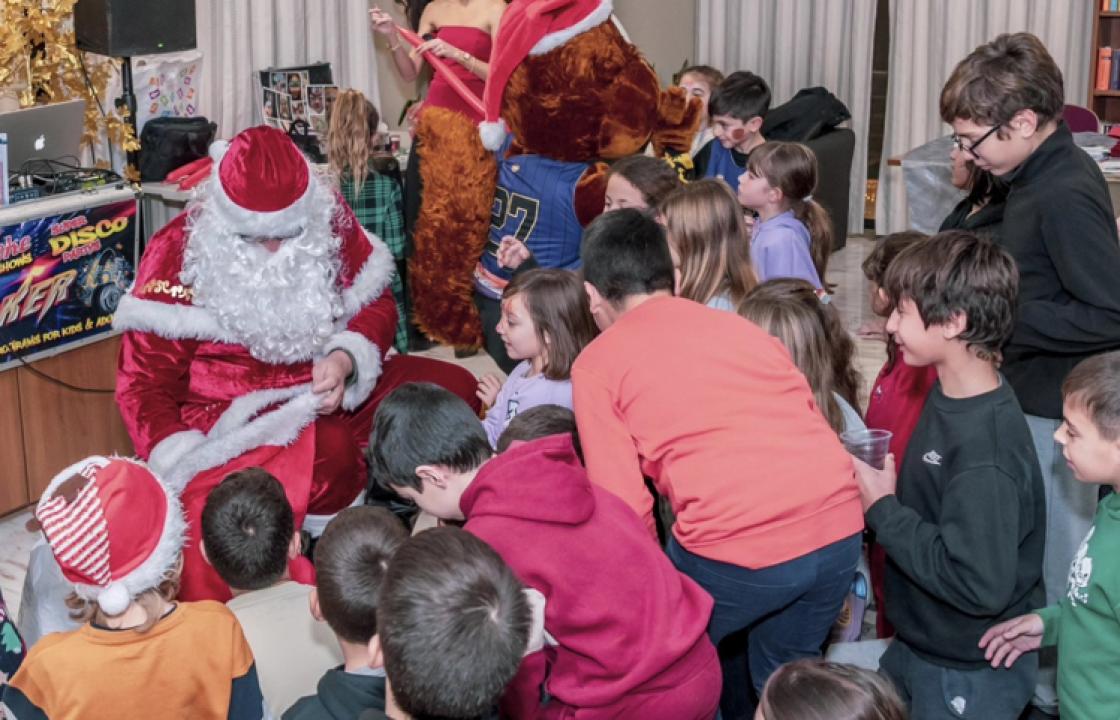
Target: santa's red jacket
[{"x": 198, "y": 406}]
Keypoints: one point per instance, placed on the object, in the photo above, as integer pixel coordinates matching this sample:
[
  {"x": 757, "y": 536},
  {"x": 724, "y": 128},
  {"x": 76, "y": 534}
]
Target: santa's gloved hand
[{"x": 328, "y": 380}]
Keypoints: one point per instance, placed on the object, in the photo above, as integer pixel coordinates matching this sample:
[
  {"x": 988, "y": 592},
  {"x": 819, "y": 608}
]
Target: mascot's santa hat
[
  {"x": 262, "y": 185},
  {"x": 114, "y": 527},
  {"x": 531, "y": 27}
]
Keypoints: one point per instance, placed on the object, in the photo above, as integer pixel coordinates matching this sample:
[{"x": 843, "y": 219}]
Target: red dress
[
  {"x": 198, "y": 406},
  {"x": 896, "y": 403},
  {"x": 473, "y": 41}
]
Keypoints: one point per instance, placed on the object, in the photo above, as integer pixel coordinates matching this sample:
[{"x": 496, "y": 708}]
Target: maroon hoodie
[{"x": 623, "y": 619}]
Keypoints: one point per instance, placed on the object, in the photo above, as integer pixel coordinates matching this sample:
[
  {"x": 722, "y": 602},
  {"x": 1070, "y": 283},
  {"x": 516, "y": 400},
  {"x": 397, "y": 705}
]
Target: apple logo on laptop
[{"x": 40, "y": 142}]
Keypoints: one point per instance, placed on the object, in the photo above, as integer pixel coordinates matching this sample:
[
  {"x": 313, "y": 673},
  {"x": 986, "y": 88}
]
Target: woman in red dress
[{"x": 448, "y": 226}]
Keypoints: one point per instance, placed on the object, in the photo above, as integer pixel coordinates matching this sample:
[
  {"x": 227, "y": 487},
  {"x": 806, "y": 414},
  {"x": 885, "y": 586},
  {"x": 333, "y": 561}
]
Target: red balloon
[{"x": 441, "y": 67}]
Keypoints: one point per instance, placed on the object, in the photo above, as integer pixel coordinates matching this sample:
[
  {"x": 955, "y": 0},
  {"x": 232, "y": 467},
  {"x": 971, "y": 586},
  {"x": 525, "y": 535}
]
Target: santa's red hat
[
  {"x": 114, "y": 528},
  {"x": 531, "y": 27},
  {"x": 262, "y": 185}
]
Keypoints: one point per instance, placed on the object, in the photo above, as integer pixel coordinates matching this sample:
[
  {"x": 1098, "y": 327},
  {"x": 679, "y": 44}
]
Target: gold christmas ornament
[{"x": 39, "y": 60}]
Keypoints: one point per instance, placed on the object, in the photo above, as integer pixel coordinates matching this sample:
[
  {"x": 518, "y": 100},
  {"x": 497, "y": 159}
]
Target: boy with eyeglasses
[{"x": 1005, "y": 102}]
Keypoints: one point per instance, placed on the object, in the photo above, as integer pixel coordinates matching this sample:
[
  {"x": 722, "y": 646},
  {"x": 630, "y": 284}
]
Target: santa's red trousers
[{"x": 322, "y": 472}]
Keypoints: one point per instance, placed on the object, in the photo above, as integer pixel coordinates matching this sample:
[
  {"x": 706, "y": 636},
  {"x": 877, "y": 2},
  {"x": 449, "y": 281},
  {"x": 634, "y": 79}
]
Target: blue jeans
[{"x": 787, "y": 610}]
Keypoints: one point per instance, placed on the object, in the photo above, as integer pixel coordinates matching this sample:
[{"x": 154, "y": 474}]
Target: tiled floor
[{"x": 850, "y": 298}]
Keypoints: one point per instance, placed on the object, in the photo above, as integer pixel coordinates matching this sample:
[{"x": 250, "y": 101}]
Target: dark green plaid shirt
[{"x": 379, "y": 208}]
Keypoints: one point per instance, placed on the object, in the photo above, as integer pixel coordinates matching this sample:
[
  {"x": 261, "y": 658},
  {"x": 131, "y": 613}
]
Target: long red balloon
[{"x": 441, "y": 67}]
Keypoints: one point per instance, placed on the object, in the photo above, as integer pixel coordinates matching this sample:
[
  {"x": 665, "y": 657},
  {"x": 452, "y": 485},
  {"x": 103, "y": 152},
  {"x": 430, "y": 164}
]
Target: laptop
[{"x": 44, "y": 132}]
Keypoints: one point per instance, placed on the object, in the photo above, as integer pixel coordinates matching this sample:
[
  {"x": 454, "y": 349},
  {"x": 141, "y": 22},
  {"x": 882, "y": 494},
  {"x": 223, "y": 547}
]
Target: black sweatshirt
[
  {"x": 1058, "y": 224},
  {"x": 965, "y": 532}
]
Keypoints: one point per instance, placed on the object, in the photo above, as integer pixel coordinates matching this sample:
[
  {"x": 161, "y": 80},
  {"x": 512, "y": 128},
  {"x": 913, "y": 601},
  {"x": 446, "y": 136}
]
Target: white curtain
[
  {"x": 794, "y": 44},
  {"x": 239, "y": 37},
  {"x": 929, "y": 38}
]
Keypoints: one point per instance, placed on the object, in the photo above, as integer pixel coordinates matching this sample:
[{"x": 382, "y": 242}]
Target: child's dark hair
[
  {"x": 885, "y": 251},
  {"x": 958, "y": 272},
  {"x": 711, "y": 75},
  {"x": 351, "y": 559},
  {"x": 742, "y": 95},
  {"x": 995, "y": 81},
  {"x": 353, "y": 123},
  {"x": 423, "y": 424},
  {"x": 875, "y": 270},
  {"x": 790, "y": 310},
  {"x": 653, "y": 177},
  {"x": 624, "y": 253},
  {"x": 454, "y": 625},
  {"x": 1095, "y": 386},
  {"x": 816, "y": 689},
  {"x": 247, "y": 527},
  {"x": 538, "y": 422},
  {"x": 792, "y": 168},
  {"x": 561, "y": 316}
]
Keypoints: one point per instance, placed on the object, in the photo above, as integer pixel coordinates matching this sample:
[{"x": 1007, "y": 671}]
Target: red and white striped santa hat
[{"x": 114, "y": 528}]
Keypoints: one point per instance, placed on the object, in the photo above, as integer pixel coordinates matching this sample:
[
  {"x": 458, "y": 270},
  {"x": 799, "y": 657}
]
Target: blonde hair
[
  {"x": 792, "y": 168},
  {"x": 790, "y": 310},
  {"x": 704, "y": 224},
  {"x": 151, "y": 601},
  {"x": 353, "y": 124}
]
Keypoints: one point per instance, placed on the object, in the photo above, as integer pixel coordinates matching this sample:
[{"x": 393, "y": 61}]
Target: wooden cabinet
[
  {"x": 13, "y": 475},
  {"x": 1106, "y": 33},
  {"x": 57, "y": 425}
]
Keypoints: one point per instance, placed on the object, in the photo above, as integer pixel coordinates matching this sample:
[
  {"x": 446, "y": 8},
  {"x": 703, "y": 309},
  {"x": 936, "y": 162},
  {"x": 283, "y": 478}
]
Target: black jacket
[
  {"x": 965, "y": 531},
  {"x": 1058, "y": 224},
  {"x": 341, "y": 696}
]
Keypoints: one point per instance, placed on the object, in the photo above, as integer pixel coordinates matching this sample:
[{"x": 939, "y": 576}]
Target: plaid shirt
[{"x": 379, "y": 208}]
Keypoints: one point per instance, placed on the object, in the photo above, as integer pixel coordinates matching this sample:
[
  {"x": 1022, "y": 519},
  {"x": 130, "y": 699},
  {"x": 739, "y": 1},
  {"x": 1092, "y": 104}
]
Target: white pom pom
[
  {"x": 218, "y": 150},
  {"x": 114, "y": 599},
  {"x": 493, "y": 134}
]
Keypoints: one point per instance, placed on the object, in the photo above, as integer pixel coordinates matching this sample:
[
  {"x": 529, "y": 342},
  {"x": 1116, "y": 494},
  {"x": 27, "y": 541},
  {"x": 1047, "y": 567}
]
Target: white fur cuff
[
  {"x": 367, "y": 365},
  {"x": 168, "y": 452}
]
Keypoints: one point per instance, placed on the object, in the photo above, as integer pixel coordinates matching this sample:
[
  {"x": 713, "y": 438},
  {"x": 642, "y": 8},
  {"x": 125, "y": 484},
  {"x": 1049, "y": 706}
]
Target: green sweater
[{"x": 1086, "y": 624}]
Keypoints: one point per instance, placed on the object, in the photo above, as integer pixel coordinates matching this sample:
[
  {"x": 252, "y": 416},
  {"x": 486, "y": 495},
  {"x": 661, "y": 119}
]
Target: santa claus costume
[{"x": 237, "y": 306}]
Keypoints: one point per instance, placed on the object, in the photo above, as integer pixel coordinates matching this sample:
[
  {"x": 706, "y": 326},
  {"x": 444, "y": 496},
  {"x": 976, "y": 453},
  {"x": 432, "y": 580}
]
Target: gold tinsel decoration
[{"x": 39, "y": 56}]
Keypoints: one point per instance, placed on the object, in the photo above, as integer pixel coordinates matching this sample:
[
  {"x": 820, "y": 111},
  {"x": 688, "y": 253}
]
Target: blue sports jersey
[
  {"x": 722, "y": 165},
  {"x": 534, "y": 202}
]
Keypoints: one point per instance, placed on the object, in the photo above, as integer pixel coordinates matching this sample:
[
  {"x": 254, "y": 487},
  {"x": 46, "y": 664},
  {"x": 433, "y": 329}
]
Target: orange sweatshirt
[{"x": 713, "y": 409}]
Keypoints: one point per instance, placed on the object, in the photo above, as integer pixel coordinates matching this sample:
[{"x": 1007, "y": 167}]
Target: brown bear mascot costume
[{"x": 566, "y": 90}]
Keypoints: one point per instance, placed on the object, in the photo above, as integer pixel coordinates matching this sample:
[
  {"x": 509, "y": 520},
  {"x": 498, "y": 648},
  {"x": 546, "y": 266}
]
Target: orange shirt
[
  {"x": 713, "y": 409},
  {"x": 194, "y": 663}
]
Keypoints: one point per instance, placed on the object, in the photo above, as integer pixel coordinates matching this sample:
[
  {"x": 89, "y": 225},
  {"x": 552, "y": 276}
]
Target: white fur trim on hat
[
  {"x": 367, "y": 365},
  {"x": 149, "y": 573},
  {"x": 169, "y": 451},
  {"x": 554, "y": 40},
  {"x": 493, "y": 134},
  {"x": 254, "y": 223}
]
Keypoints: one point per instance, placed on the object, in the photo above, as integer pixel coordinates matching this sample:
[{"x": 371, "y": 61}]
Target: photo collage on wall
[{"x": 291, "y": 96}]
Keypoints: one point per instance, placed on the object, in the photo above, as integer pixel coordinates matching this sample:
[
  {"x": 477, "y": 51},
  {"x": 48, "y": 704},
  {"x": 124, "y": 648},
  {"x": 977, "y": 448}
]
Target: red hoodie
[{"x": 625, "y": 622}]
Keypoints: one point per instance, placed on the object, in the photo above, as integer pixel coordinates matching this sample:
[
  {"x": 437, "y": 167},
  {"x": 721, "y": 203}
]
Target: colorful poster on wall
[{"x": 62, "y": 276}]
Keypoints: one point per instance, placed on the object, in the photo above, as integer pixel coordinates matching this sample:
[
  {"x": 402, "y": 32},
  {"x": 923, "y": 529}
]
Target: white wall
[{"x": 664, "y": 30}]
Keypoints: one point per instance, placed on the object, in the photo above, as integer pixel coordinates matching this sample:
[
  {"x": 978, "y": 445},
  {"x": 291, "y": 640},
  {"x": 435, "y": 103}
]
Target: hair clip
[{"x": 807, "y": 198}]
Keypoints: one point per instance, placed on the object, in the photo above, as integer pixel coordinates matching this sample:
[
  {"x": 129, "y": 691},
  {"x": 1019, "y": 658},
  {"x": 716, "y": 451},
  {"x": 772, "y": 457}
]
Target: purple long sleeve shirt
[
  {"x": 780, "y": 248},
  {"x": 520, "y": 393}
]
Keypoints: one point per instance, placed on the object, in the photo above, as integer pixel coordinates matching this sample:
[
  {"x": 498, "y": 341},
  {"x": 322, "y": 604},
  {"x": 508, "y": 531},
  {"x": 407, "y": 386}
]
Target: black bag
[
  {"x": 167, "y": 143},
  {"x": 300, "y": 133},
  {"x": 811, "y": 113}
]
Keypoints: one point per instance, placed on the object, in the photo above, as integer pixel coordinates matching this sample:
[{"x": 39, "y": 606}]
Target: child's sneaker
[{"x": 849, "y": 625}]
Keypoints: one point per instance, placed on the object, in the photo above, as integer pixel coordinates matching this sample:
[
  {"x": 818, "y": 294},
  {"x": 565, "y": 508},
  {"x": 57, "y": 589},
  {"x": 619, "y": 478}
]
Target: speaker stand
[{"x": 127, "y": 100}]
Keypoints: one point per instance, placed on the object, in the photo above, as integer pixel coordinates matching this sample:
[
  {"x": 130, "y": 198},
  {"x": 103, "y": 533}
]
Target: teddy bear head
[{"x": 586, "y": 93}]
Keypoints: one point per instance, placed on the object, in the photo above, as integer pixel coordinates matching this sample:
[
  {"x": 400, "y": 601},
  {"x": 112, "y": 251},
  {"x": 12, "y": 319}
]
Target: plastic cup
[{"x": 870, "y": 446}]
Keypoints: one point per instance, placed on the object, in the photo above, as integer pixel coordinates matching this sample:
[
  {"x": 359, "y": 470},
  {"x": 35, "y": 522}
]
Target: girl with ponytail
[{"x": 793, "y": 235}]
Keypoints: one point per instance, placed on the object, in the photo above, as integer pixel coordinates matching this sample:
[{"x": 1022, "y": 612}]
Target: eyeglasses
[{"x": 970, "y": 148}]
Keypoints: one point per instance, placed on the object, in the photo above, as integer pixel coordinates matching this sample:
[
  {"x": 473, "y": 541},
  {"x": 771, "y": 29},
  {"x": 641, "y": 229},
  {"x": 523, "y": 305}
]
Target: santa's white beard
[{"x": 283, "y": 305}]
